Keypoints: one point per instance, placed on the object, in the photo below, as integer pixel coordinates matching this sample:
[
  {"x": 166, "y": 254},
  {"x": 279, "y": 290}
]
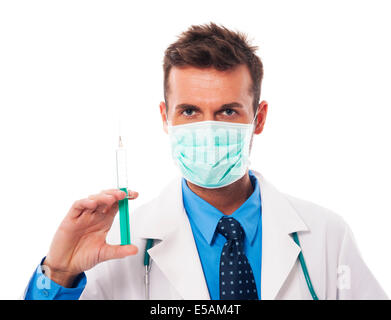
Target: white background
[{"x": 68, "y": 69}]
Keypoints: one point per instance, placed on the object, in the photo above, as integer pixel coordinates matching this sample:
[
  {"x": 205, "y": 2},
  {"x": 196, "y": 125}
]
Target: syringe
[{"x": 122, "y": 183}]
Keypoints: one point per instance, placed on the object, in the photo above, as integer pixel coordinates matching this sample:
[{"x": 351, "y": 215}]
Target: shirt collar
[{"x": 205, "y": 217}]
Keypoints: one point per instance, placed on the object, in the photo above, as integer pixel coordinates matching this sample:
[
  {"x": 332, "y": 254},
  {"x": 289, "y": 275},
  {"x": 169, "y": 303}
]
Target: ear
[
  {"x": 261, "y": 117},
  {"x": 163, "y": 114}
]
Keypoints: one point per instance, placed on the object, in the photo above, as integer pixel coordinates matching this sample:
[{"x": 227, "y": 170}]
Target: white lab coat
[{"x": 334, "y": 263}]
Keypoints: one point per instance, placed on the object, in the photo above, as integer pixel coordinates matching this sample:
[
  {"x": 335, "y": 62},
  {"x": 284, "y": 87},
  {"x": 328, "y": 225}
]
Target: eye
[
  {"x": 229, "y": 112},
  {"x": 188, "y": 112}
]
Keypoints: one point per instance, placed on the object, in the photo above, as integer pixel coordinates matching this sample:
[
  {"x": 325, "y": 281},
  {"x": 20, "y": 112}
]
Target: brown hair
[{"x": 209, "y": 45}]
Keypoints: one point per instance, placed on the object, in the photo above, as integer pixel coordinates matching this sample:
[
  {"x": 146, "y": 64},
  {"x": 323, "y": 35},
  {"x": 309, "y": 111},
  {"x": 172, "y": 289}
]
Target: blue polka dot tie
[{"x": 236, "y": 276}]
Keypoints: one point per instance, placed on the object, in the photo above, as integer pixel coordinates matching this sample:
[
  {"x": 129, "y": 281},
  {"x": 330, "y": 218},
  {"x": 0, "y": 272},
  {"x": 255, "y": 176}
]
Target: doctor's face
[{"x": 196, "y": 94}]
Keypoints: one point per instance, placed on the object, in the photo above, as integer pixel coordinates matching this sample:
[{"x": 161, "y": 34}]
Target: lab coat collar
[
  {"x": 176, "y": 254},
  {"x": 206, "y": 217}
]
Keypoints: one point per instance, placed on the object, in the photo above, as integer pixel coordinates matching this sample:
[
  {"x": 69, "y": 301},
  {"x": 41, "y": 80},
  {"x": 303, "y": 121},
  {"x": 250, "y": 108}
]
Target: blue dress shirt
[
  {"x": 203, "y": 219},
  {"x": 42, "y": 288}
]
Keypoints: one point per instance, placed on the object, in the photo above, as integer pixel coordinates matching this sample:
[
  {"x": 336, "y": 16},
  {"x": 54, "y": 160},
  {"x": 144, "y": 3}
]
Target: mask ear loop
[
  {"x": 255, "y": 117},
  {"x": 252, "y": 134}
]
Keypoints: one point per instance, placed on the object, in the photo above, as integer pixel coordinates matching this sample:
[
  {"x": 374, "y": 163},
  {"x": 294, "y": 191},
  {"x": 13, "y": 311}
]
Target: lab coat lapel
[
  {"x": 279, "y": 251},
  {"x": 176, "y": 254}
]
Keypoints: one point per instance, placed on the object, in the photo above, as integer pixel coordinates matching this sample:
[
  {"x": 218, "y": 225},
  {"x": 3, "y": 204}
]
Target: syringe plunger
[{"x": 122, "y": 175}]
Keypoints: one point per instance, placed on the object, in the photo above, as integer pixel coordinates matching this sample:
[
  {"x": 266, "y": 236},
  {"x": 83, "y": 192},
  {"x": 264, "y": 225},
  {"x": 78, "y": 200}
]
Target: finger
[
  {"x": 121, "y": 194},
  {"x": 118, "y": 194},
  {"x": 132, "y": 194},
  {"x": 81, "y": 205},
  {"x": 109, "y": 252},
  {"x": 113, "y": 210},
  {"x": 103, "y": 199}
]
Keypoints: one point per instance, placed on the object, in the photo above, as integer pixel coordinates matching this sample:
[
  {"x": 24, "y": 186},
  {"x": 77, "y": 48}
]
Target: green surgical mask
[{"x": 211, "y": 154}]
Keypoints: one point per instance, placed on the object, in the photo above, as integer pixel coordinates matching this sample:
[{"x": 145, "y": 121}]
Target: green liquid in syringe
[{"x": 124, "y": 219}]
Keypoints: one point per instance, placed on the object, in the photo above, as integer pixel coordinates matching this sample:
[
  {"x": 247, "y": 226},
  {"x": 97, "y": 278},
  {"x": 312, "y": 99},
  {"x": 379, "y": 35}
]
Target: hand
[{"x": 80, "y": 241}]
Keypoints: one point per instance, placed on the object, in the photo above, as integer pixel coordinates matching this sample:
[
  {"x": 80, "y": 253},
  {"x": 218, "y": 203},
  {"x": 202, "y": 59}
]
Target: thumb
[{"x": 109, "y": 252}]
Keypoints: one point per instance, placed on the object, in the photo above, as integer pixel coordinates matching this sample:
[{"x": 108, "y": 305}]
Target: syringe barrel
[{"x": 122, "y": 174}]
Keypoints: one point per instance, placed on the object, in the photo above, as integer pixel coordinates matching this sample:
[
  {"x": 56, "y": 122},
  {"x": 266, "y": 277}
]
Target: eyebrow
[{"x": 184, "y": 106}]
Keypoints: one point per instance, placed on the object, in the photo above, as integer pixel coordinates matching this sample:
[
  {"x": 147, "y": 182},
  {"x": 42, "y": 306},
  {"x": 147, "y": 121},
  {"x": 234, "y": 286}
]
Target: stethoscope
[{"x": 147, "y": 266}]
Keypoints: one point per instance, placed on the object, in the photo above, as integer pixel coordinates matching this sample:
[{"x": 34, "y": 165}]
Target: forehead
[{"x": 208, "y": 85}]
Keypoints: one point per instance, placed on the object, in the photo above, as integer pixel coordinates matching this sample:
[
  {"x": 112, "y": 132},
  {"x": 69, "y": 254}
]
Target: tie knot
[{"x": 230, "y": 228}]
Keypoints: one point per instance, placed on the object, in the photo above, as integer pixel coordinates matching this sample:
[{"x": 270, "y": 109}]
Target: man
[{"x": 221, "y": 231}]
